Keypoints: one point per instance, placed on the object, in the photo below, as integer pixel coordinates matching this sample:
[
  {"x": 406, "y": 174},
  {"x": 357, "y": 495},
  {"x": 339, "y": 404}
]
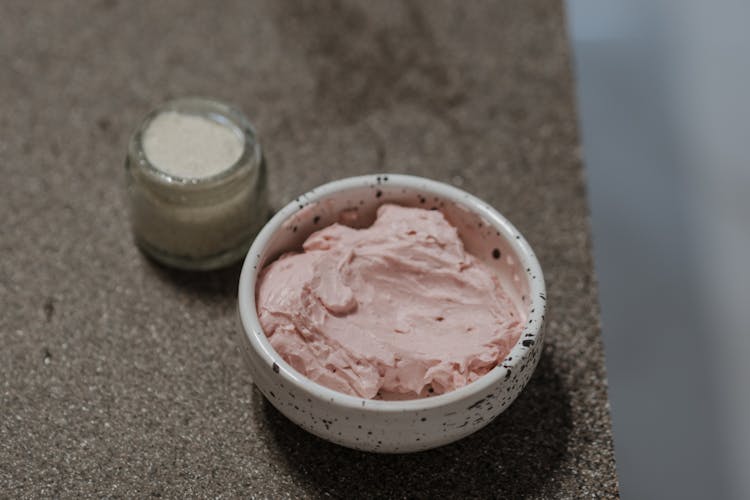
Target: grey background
[{"x": 663, "y": 98}]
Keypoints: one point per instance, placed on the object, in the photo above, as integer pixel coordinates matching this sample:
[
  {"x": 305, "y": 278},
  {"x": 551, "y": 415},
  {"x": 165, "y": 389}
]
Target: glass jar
[{"x": 198, "y": 222}]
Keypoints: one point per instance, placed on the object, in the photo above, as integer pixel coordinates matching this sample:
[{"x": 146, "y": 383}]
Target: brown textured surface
[{"x": 120, "y": 378}]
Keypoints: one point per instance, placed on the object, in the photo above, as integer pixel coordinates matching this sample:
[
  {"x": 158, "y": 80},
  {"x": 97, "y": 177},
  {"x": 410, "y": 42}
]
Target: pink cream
[{"x": 398, "y": 310}]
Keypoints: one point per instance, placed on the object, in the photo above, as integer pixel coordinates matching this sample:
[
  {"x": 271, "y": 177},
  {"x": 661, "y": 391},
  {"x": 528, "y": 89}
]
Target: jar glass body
[{"x": 197, "y": 223}]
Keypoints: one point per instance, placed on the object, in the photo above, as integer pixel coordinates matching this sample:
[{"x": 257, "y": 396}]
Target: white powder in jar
[{"x": 190, "y": 146}]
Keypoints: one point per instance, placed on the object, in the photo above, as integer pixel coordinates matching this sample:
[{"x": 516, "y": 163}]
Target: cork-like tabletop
[{"x": 121, "y": 378}]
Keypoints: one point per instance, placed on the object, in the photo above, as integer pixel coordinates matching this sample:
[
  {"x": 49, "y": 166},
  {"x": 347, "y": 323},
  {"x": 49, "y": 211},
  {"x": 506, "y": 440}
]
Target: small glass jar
[{"x": 198, "y": 222}]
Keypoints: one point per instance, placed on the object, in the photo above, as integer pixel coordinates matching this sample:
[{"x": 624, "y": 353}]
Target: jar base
[{"x": 209, "y": 263}]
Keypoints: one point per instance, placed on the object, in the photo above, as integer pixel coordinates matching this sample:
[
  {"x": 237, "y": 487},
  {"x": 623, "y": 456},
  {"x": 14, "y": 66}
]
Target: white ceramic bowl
[{"x": 395, "y": 426}]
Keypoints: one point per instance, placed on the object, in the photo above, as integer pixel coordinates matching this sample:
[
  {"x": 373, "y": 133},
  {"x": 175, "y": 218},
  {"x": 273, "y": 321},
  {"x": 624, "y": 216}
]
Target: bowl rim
[{"x": 528, "y": 262}]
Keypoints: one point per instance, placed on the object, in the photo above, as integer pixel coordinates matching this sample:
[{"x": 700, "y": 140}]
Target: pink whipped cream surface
[{"x": 398, "y": 310}]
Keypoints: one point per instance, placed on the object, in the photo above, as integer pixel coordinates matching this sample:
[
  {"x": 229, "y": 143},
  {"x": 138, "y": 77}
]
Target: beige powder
[{"x": 190, "y": 146}]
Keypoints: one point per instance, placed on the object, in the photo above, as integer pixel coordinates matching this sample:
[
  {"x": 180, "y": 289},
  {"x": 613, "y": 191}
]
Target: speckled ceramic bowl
[{"x": 395, "y": 426}]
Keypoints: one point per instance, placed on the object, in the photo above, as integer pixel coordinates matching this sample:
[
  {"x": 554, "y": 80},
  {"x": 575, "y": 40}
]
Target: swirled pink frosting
[{"x": 398, "y": 310}]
